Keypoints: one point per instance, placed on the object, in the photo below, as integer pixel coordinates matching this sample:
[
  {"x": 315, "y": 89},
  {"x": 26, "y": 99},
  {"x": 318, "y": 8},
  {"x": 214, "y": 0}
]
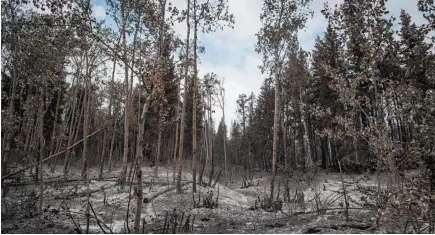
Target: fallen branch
[
  {"x": 112, "y": 179},
  {"x": 318, "y": 229},
  {"x": 58, "y": 181},
  {"x": 150, "y": 197},
  {"x": 330, "y": 209},
  {"x": 51, "y": 156},
  {"x": 80, "y": 194}
]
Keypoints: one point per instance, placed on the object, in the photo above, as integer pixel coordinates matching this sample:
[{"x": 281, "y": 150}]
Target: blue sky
[{"x": 230, "y": 53}]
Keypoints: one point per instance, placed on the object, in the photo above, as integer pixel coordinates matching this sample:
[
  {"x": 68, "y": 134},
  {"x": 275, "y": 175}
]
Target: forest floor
[{"x": 65, "y": 204}]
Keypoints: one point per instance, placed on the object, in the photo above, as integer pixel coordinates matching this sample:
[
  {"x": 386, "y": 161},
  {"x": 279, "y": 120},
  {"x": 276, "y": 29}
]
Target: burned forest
[{"x": 217, "y": 116}]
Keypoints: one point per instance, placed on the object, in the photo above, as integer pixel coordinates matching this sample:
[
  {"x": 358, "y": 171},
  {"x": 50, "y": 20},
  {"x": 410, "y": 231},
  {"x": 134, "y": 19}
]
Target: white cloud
[
  {"x": 238, "y": 79},
  {"x": 236, "y": 60}
]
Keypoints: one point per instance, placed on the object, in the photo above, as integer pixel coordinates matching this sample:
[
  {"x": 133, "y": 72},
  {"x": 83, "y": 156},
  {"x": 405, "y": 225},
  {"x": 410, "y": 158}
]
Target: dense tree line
[{"x": 360, "y": 97}]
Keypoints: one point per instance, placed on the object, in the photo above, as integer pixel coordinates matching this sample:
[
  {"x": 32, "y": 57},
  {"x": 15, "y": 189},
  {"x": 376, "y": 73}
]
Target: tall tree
[
  {"x": 210, "y": 16},
  {"x": 281, "y": 21},
  {"x": 195, "y": 78},
  {"x": 183, "y": 109},
  {"x": 123, "y": 175}
]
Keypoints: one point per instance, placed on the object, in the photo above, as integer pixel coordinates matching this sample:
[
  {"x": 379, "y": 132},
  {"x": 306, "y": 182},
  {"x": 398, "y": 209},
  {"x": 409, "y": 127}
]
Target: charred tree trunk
[
  {"x": 139, "y": 200},
  {"x": 177, "y": 125},
  {"x": 103, "y": 152},
  {"x": 275, "y": 128},
  {"x": 122, "y": 178},
  {"x": 53, "y": 134},
  {"x": 210, "y": 132},
  {"x": 307, "y": 144},
  {"x": 205, "y": 149},
  {"x": 183, "y": 112},
  {"x": 195, "y": 58},
  {"x": 157, "y": 159},
  {"x": 6, "y": 152}
]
